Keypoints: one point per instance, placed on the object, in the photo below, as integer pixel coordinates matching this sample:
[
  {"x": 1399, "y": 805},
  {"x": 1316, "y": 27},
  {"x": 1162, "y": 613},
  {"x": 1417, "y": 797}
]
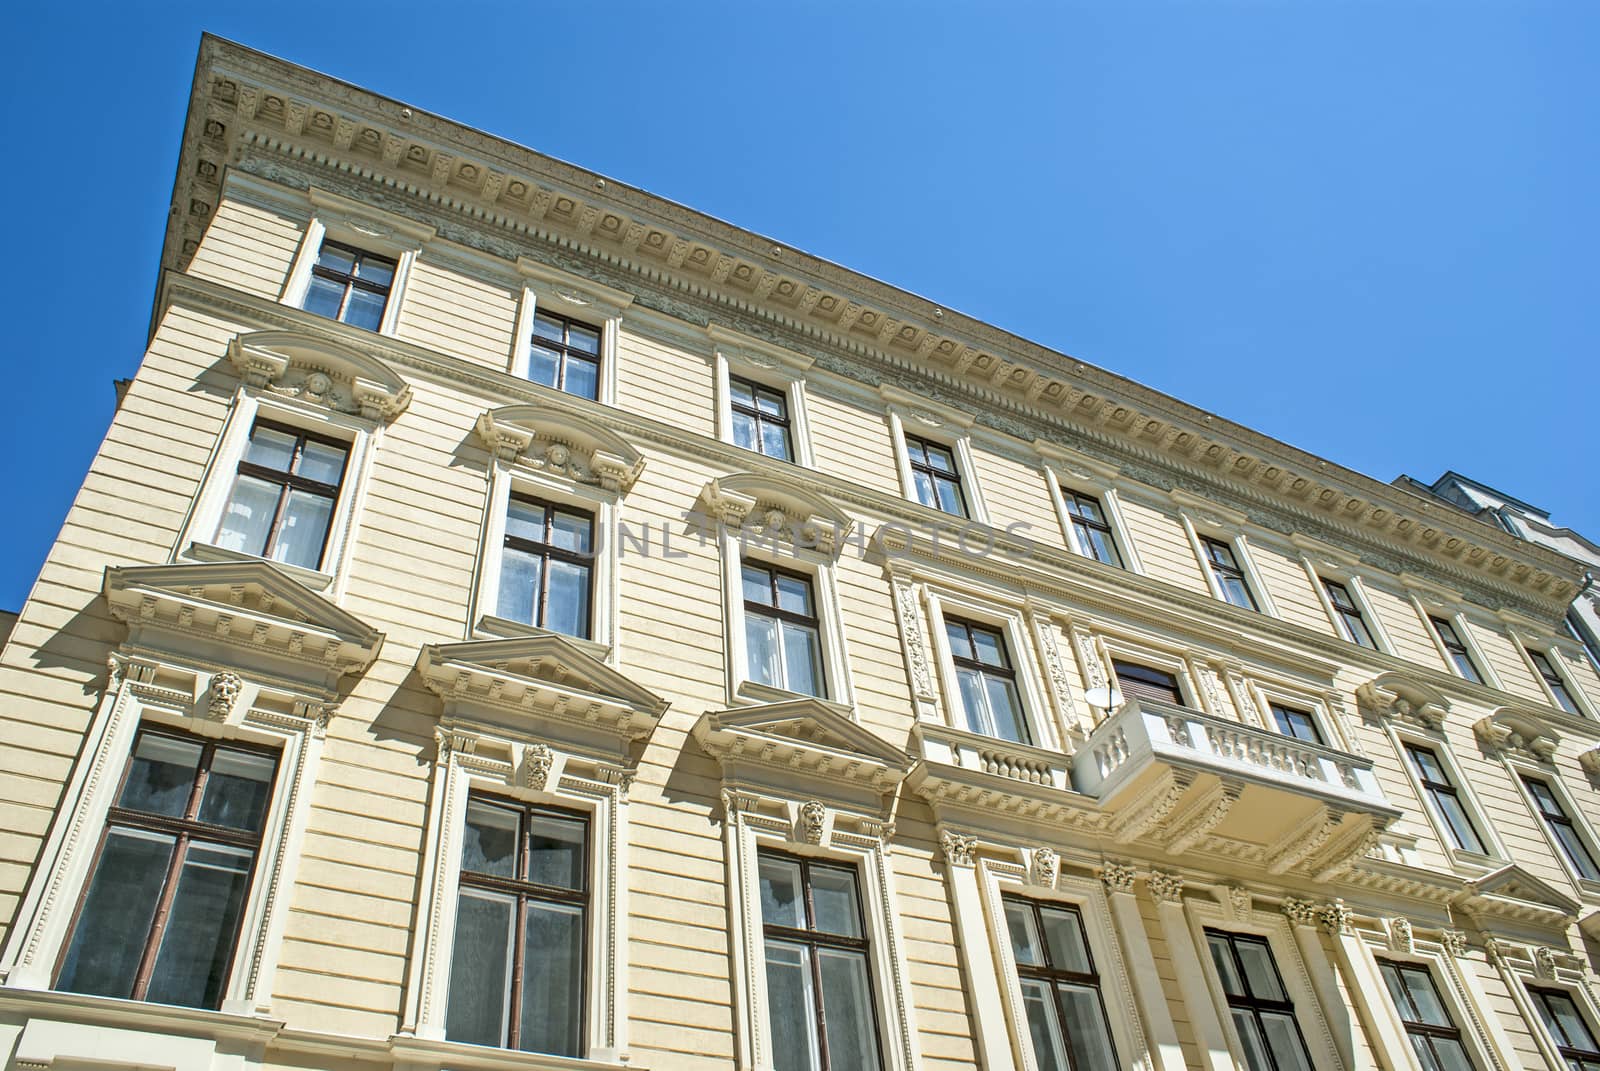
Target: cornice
[{"x": 242, "y": 96}]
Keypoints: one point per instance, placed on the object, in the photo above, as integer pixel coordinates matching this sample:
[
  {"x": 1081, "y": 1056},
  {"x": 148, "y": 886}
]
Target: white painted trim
[
  {"x": 1106, "y": 496},
  {"x": 1240, "y": 547},
  {"x": 1436, "y": 742},
  {"x": 362, "y": 226},
  {"x": 1269, "y": 693},
  {"x": 946, "y": 432},
  {"x": 1047, "y": 732},
  {"x": 1456, "y": 619},
  {"x": 736, "y": 355},
  {"x": 1555, "y": 654},
  {"x": 1358, "y": 595},
  {"x": 577, "y": 298},
  {"x": 1517, "y": 767}
]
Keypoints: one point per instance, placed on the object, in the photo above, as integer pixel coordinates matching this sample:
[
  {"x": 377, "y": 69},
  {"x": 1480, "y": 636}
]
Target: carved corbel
[
  {"x": 1400, "y": 937},
  {"x": 506, "y": 440},
  {"x": 1506, "y": 731},
  {"x": 1044, "y": 867},
  {"x": 1590, "y": 761}
]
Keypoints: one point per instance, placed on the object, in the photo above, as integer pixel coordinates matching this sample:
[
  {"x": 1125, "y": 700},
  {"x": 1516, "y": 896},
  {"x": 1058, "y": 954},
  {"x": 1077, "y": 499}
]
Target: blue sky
[{"x": 1367, "y": 229}]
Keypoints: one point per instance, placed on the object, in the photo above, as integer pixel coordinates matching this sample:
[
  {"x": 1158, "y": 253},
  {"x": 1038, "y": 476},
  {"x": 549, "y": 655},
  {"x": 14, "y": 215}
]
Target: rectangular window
[
  {"x": 565, "y": 354},
  {"x": 1433, "y": 1035},
  {"x": 283, "y": 496},
  {"x": 1060, "y": 988},
  {"x": 986, "y": 680},
  {"x": 760, "y": 418},
  {"x": 1553, "y": 680},
  {"x": 1437, "y": 785},
  {"x": 1090, "y": 527},
  {"x": 937, "y": 479},
  {"x": 782, "y": 642},
  {"x": 547, "y": 567},
  {"x": 1574, "y": 1040},
  {"x": 1262, "y": 1013},
  {"x": 1345, "y": 609},
  {"x": 1457, "y": 649},
  {"x": 159, "y": 920},
  {"x": 1296, "y": 723},
  {"x": 1145, "y": 682},
  {"x": 516, "y": 975},
  {"x": 349, "y": 285},
  {"x": 1225, "y": 569},
  {"x": 819, "y": 985},
  {"x": 1562, "y": 829}
]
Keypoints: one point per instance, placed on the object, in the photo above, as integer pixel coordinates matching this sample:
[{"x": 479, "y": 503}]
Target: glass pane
[
  {"x": 1465, "y": 666},
  {"x": 1455, "y": 816},
  {"x": 336, "y": 259},
  {"x": 1423, "y": 1052},
  {"x": 303, "y": 530},
  {"x": 1428, "y": 766},
  {"x": 802, "y": 660},
  {"x": 519, "y": 585},
  {"x": 555, "y": 851},
  {"x": 571, "y": 531},
  {"x": 525, "y": 520},
  {"x": 741, "y": 393},
  {"x": 960, "y": 641},
  {"x": 1260, "y": 973},
  {"x": 761, "y": 650},
  {"x": 1222, "y": 958},
  {"x": 1005, "y": 707},
  {"x": 1397, "y": 992},
  {"x": 365, "y": 309},
  {"x": 1420, "y": 985},
  {"x": 775, "y": 441},
  {"x": 991, "y": 649},
  {"x": 1101, "y": 548},
  {"x": 1570, "y": 1022},
  {"x": 1084, "y": 1023},
  {"x": 552, "y": 979},
  {"x": 543, "y": 364},
  {"x": 744, "y": 431},
  {"x": 925, "y": 491},
  {"x": 1283, "y": 1038},
  {"x": 939, "y": 459},
  {"x": 1235, "y": 591},
  {"x": 1542, "y": 796},
  {"x": 161, "y": 775},
  {"x": 847, "y": 1008},
  {"x": 480, "y": 969},
  {"x": 197, "y": 947},
  {"x": 323, "y": 297},
  {"x": 567, "y": 606},
  {"x": 1579, "y": 855},
  {"x": 792, "y": 1007},
  {"x": 546, "y": 327},
  {"x": 771, "y": 403},
  {"x": 489, "y": 842},
  {"x": 833, "y": 899},
  {"x": 583, "y": 339},
  {"x": 1451, "y": 1056},
  {"x": 757, "y": 585},
  {"x": 248, "y": 516},
  {"x": 1026, "y": 947},
  {"x": 1043, "y": 1029},
  {"x": 376, "y": 270},
  {"x": 915, "y": 453},
  {"x": 794, "y": 595},
  {"x": 270, "y": 448},
  {"x": 1064, "y": 935},
  {"x": 115, "y": 921},
  {"x": 1255, "y": 1046},
  {"x": 1086, "y": 508},
  {"x": 950, "y": 497},
  {"x": 583, "y": 377},
  {"x": 322, "y": 462},
  {"x": 970, "y": 684},
  {"x": 237, "y": 789},
  {"x": 781, "y": 900}
]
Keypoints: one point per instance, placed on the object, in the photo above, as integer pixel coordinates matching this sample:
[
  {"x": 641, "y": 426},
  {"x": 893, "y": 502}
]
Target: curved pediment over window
[
  {"x": 563, "y": 443},
  {"x": 780, "y": 509},
  {"x": 1510, "y": 729},
  {"x": 331, "y": 374},
  {"x": 1396, "y": 696}
]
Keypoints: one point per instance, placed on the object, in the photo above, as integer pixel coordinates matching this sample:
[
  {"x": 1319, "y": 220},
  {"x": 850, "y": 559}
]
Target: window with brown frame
[
  {"x": 283, "y": 496},
  {"x": 819, "y": 979},
  {"x": 1299, "y": 724},
  {"x": 349, "y": 285},
  {"x": 547, "y": 566},
  {"x": 760, "y": 418},
  {"x": 1562, "y": 828},
  {"x": 1146, "y": 682},
  {"x": 1229, "y": 576},
  {"x": 565, "y": 354},
  {"x": 1090, "y": 527},
  {"x": 936, "y": 476},
  {"x": 1438, "y": 787},
  {"x": 1061, "y": 995},
  {"x": 1574, "y": 1039},
  {"x": 517, "y": 969},
  {"x": 1434, "y": 1036},
  {"x": 782, "y": 638},
  {"x": 1456, "y": 647},
  {"x": 1553, "y": 680},
  {"x": 159, "y": 920},
  {"x": 1263, "y": 1015},
  {"x": 1351, "y": 622},
  {"x": 986, "y": 680}
]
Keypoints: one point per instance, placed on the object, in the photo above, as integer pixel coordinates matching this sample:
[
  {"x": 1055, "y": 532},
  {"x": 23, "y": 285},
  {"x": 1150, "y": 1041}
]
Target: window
[
  {"x": 782, "y": 644},
  {"x": 1145, "y": 682},
  {"x": 565, "y": 354},
  {"x": 1263, "y": 1015},
  {"x": 986, "y": 680},
  {"x": 547, "y": 567},
  {"x": 1090, "y": 528},
  {"x": 760, "y": 418},
  {"x": 349, "y": 285},
  {"x": 1433, "y": 1036},
  {"x": 935, "y": 476},
  {"x": 1296, "y": 723},
  {"x": 1574, "y": 1040},
  {"x": 1436, "y": 784},
  {"x": 1351, "y": 623},
  {"x": 1456, "y": 648},
  {"x": 1060, "y": 987},
  {"x": 1225, "y": 570},
  {"x": 1553, "y": 680},
  {"x": 160, "y": 918},
  {"x": 1581, "y": 633},
  {"x": 1562, "y": 828},
  {"x": 516, "y": 976},
  {"x": 283, "y": 495},
  {"x": 819, "y": 987}
]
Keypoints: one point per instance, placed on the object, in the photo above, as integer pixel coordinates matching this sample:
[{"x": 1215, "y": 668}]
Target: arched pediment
[
  {"x": 1510, "y": 729},
  {"x": 561, "y": 442},
  {"x": 781, "y": 508},
  {"x": 1394, "y": 695},
  {"x": 340, "y": 377}
]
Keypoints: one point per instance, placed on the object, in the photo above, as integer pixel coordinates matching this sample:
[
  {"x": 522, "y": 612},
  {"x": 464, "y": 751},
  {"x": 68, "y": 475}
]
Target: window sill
[
  {"x": 460, "y": 1056},
  {"x": 756, "y": 693},
  {"x": 490, "y": 627},
  {"x": 80, "y": 1013},
  {"x": 206, "y": 552},
  {"x": 1474, "y": 864}
]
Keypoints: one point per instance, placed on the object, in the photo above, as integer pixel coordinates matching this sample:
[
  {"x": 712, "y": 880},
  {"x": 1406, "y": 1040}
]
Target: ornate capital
[
  {"x": 1454, "y": 942},
  {"x": 1164, "y": 886},
  {"x": 958, "y": 848},
  {"x": 1336, "y": 917},
  {"x": 1299, "y": 912},
  {"x": 1117, "y": 877}
]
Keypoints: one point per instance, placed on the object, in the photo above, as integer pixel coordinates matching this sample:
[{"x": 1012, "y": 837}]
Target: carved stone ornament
[
  {"x": 1164, "y": 886},
  {"x": 1590, "y": 761},
  {"x": 224, "y": 693},
  {"x": 1336, "y": 918},
  {"x": 958, "y": 848},
  {"x": 1299, "y": 912},
  {"x": 1544, "y": 962},
  {"x": 562, "y": 444},
  {"x": 1400, "y": 938},
  {"x": 1495, "y": 950},
  {"x": 1454, "y": 942},
  {"x": 1045, "y": 867},
  {"x": 1510, "y": 731},
  {"x": 1118, "y": 877},
  {"x": 1236, "y": 901},
  {"x": 905, "y": 602},
  {"x": 1393, "y": 697},
  {"x": 328, "y": 374},
  {"x": 537, "y": 760},
  {"x": 813, "y": 821}
]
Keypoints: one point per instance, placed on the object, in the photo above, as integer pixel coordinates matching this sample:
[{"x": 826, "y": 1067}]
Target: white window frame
[
  {"x": 1068, "y": 470},
  {"x": 197, "y": 538},
  {"x": 1203, "y": 518},
  {"x": 1456, "y": 617},
  {"x": 1519, "y": 767},
  {"x": 1113, "y": 648},
  {"x": 1011, "y": 622},
  {"x": 1268, "y": 694},
  {"x": 1519, "y": 979},
  {"x": 1554, "y": 650},
  {"x": 1465, "y": 860},
  {"x": 735, "y": 546},
  {"x": 907, "y": 412},
  {"x": 739, "y": 355},
  {"x": 1358, "y": 594},
  {"x": 367, "y": 228},
  {"x": 574, "y": 297}
]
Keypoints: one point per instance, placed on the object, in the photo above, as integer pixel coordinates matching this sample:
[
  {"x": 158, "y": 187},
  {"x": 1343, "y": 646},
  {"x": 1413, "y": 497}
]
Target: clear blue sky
[{"x": 1369, "y": 229}]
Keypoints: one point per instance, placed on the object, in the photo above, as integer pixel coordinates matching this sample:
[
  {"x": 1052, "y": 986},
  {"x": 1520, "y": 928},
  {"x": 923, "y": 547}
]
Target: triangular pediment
[
  {"x": 322, "y": 371},
  {"x": 244, "y": 604},
  {"x": 1512, "y": 892},
  {"x": 804, "y": 735}
]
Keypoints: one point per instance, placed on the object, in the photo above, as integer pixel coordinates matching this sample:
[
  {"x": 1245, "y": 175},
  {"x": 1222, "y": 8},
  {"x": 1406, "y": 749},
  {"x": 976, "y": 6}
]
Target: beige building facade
[{"x": 516, "y": 621}]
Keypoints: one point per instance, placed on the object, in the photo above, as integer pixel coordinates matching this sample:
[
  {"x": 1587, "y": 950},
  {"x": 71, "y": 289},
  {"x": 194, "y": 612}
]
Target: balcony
[{"x": 1183, "y": 781}]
